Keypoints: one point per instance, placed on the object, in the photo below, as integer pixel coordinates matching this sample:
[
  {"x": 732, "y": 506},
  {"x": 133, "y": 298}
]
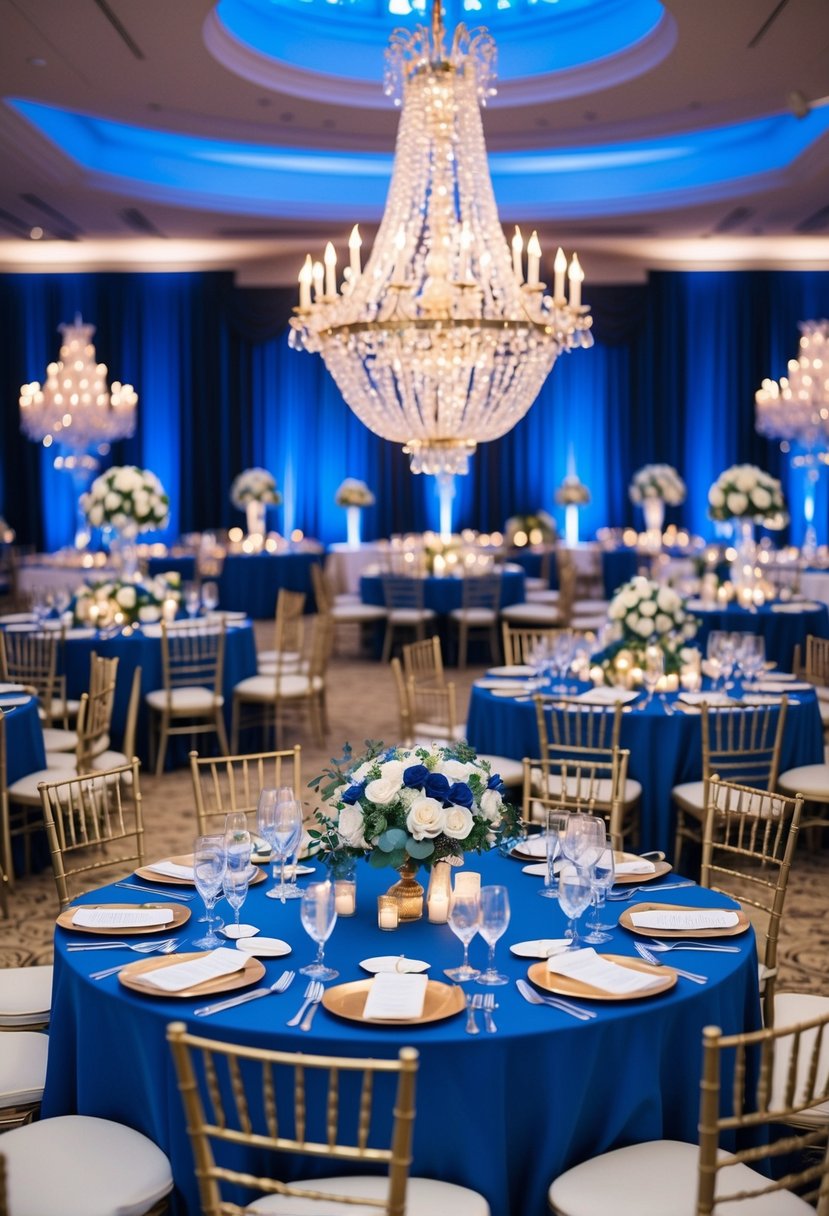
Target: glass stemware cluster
[
  {"x": 486, "y": 911},
  {"x": 729, "y": 653},
  {"x": 583, "y": 873},
  {"x": 279, "y": 820}
]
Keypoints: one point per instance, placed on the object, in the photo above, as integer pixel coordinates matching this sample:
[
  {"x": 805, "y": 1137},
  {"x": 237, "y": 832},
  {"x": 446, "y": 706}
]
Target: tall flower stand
[
  {"x": 743, "y": 575},
  {"x": 653, "y": 510},
  {"x": 256, "y": 515},
  {"x": 353, "y": 524},
  {"x": 126, "y": 552}
]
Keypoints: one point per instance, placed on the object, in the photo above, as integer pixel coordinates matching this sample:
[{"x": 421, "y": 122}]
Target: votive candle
[{"x": 388, "y": 915}]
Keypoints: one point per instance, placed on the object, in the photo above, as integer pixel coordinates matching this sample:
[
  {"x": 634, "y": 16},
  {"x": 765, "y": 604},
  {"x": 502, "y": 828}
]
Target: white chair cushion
[
  {"x": 22, "y": 1067},
  {"x": 537, "y": 614},
  {"x": 64, "y": 760},
  {"x": 288, "y": 658},
  {"x": 822, "y": 692},
  {"x": 586, "y": 623},
  {"x": 474, "y": 616},
  {"x": 691, "y": 796},
  {"x": 511, "y": 772},
  {"x": 823, "y": 709},
  {"x": 602, "y": 788},
  {"x": 184, "y": 700},
  {"x": 263, "y": 688},
  {"x": 68, "y": 707},
  {"x": 811, "y": 780},
  {"x": 790, "y": 1009},
  {"x": 25, "y": 788},
  {"x": 542, "y": 595},
  {"x": 424, "y": 1197},
  {"x": 56, "y": 740},
  {"x": 410, "y": 616},
  {"x": 591, "y": 608},
  {"x": 349, "y": 614},
  {"x": 536, "y": 584},
  {"x": 94, "y": 1168},
  {"x": 658, "y": 1179},
  {"x": 25, "y": 996}
]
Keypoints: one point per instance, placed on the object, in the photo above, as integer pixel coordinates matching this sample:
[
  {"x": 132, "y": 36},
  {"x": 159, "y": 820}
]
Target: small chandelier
[
  {"x": 440, "y": 342},
  {"x": 73, "y": 408},
  {"x": 796, "y": 410}
]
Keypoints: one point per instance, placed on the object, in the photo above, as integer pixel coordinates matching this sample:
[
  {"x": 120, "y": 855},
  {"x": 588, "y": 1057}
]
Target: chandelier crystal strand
[
  {"x": 438, "y": 343},
  {"x": 797, "y": 408},
  {"x": 73, "y": 407}
]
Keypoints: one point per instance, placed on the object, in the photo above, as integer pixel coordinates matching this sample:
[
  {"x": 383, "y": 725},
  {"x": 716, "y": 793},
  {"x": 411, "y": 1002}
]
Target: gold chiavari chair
[
  {"x": 748, "y": 847},
  {"x": 404, "y": 598},
  {"x": 478, "y": 613},
  {"x": 521, "y": 640},
  {"x": 433, "y": 713},
  {"x": 740, "y": 745},
  {"x": 335, "y": 1109},
  {"x": 343, "y": 613},
  {"x": 22, "y": 1077},
  {"x": 95, "y": 828},
  {"x": 577, "y": 784},
  {"x": 233, "y": 783},
  {"x": 102, "y": 675},
  {"x": 662, "y": 1175},
  {"x": 192, "y": 657},
  {"x": 88, "y": 758},
  {"x": 30, "y": 657},
  {"x": 6, "y": 867},
  {"x": 541, "y": 613},
  {"x": 403, "y": 708},
  {"x": 289, "y": 632},
  {"x": 423, "y": 661}
]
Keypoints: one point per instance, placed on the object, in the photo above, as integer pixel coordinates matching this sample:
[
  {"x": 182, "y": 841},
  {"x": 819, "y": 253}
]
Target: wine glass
[
  {"x": 713, "y": 654},
  {"x": 752, "y": 655},
  {"x": 556, "y": 831},
  {"x": 574, "y": 891},
  {"x": 210, "y": 596},
  {"x": 209, "y": 863},
  {"x": 235, "y": 883},
  {"x": 494, "y": 921},
  {"x": 464, "y": 919},
  {"x": 584, "y": 841},
  {"x": 280, "y": 822},
  {"x": 237, "y": 838},
  {"x": 192, "y": 599},
  {"x": 602, "y": 876},
  {"x": 319, "y": 916},
  {"x": 561, "y": 656},
  {"x": 652, "y": 671}
]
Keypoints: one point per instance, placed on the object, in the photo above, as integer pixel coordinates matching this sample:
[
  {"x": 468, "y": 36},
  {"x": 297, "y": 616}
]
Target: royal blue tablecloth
[
  {"x": 502, "y": 1113},
  {"x": 184, "y": 566},
  {"x": 782, "y": 630},
  {"x": 250, "y": 582},
  {"x": 444, "y": 594},
  {"x": 665, "y": 749},
  {"x": 24, "y": 739}
]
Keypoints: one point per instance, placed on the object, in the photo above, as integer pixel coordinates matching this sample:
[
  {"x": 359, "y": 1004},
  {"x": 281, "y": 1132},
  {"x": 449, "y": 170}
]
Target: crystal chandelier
[
  {"x": 796, "y": 410},
  {"x": 73, "y": 408},
  {"x": 440, "y": 342}
]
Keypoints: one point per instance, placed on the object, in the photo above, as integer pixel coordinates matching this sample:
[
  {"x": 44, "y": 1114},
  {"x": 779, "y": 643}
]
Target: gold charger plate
[
  {"x": 660, "y": 869},
  {"x": 564, "y": 985},
  {"x": 131, "y": 976},
  {"x": 180, "y": 917},
  {"x": 625, "y": 921},
  {"x": 348, "y": 1001},
  {"x": 185, "y": 859}
]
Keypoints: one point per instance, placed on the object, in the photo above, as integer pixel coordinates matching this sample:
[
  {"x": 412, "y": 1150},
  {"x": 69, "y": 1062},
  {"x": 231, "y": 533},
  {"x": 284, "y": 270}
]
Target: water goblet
[
  {"x": 210, "y": 596},
  {"x": 464, "y": 919},
  {"x": 584, "y": 841},
  {"x": 209, "y": 863},
  {"x": 752, "y": 655},
  {"x": 192, "y": 599},
  {"x": 235, "y": 883},
  {"x": 318, "y": 913},
  {"x": 237, "y": 836},
  {"x": 280, "y": 823},
  {"x": 602, "y": 875},
  {"x": 713, "y": 655},
  {"x": 495, "y": 915},
  {"x": 557, "y": 821},
  {"x": 652, "y": 671},
  {"x": 573, "y": 896},
  {"x": 561, "y": 657}
]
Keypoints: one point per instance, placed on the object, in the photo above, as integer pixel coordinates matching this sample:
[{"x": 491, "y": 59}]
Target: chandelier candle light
[{"x": 440, "y": 342}]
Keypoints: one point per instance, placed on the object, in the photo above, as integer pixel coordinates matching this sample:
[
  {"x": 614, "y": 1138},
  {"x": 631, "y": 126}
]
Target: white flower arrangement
[
  {"x": 537, "y": 529},
  {"x": 121, "y": 602},
  {"x": 659, "y": 481},
  {"x": 126, "y": 497},
  {"x": 254, "y": 485},
  {"x": 354, "y": 493},
  {"x": 572, "y": 492},
  {"x": 746, "y": 492},
  {"x": 396, "y": 804},
  {"x": 644, "y": 610}
]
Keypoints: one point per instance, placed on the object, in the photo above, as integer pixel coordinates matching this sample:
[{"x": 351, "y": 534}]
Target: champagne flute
[
  {"x": 281, "y": 825},
  {"x": 192, "y": 599},
  {"x": 495, "y": 915},
  {"x": 318, "y": 913},
  {"x": 574, "y": 896},
  {"x": 557, "y": 821},
  {"x": 210, "y": 596},
  {"x": 237, "y": 837},
  {"x": 601, "y": 880},
  {"x": 235, "y": 884},
  {"x": 464, "y": 919},
  {"x": 653, "y": 671},
  {"x": 209, "y": 863},
  {"x": 752, "y": 655}
]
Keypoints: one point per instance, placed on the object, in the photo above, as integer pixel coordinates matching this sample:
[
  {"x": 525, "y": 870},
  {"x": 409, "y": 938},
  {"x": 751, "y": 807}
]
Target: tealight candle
[
  {"x": 439, "y": 893},
  {"x": 387, "y": 912},
  {"x": 468, "y": 883},
  {"x": 345, "y": 896},
  {"x": 169, "y": 609}
]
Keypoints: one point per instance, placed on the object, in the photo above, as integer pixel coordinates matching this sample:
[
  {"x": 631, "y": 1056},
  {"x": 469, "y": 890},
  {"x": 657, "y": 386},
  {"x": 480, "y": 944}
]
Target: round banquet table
[
  {"x": 250, "y": 582},
  {"x": 665, "y": 749},
  {"x": 24, "y": 737},
  {"x": 783, "y": 625},
  {"x": 502, "y": 1113},
  {"x": 444, "y": 594}
]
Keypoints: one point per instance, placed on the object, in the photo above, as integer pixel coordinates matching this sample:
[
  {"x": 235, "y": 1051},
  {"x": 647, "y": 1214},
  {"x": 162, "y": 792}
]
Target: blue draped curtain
[{"x": 671, "y": 378}]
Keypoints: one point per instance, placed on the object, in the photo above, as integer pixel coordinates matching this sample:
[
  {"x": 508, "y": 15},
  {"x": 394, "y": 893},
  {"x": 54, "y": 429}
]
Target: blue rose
[
  {"x": 461, "y": 794},
  {"x": 354, "y": 793},
  {"x": 495, "y": 782},
  {"x": 437, "y": 786},
  {"x": 415, "y": 776}
]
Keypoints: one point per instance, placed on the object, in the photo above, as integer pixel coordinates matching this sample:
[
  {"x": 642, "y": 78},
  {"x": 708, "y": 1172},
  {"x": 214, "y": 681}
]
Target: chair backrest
[
  {"x": 131, "y": 719},
  {"x": 323, "y": 591},
  {"x": 586, "y": 731},
  {"x": 567, "y": 579},
  {"x": 748, "y": 847},
  {"x": 577, "y": 784},
  {"x": 319, "y": 652},
  {"x": 740, "y": 1093},
  {"x": 403, "y": 707},
  {"x": 816, "y": 669},
  {"x": 192, "y": 655},
  {"x": 30, "y": 657},
  {"x": 5, "y": 825},
  {"x": 434, "y": 707},
  {"x": 289, "y": 628},
  {"x": 423, "y": 661},
  {"x": 482, "y": 591},
  {"x": 94, "y": 827},
  {"x": 95, "y": 716},
  {"x": 520, "y": 641},
  {"x": 742, "y": 745},
  {"x": 327, "y": 1108},
  {"x": 233, "y": 783},
  {"x": 404, "y": 594}
]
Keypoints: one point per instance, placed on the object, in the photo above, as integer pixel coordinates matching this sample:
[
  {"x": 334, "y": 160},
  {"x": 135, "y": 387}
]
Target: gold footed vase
[{"x": 408, "y": 892}]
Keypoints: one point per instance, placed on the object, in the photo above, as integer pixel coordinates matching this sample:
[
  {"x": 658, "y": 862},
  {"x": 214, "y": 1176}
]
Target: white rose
[
  {"x": 458, "y": 822},
  {"x": 644, "y": 628},
  {"x": 761, "y": 498},
  {"x": 736, "y": 503},
  {"x": 362, "y": 772},
  {"x": 123, "y": 480},
  {"x": 616, "y": 610},
  {"x": 629, "y": 598},
  {"x": 648, "y": 608},
  {"x": 663, "y": 623},
  {"x": 667, "y": 600},
  {"x": 350, "y": 827},
  {"x": 491, "y": 805},
  {"x": 455, "y": 770},
  {"x": 125, "y": 596},
  {"x": 96, "y": 516},
  {"x": 113, "y": 502},
  {"x": 386, "y": 787},
  {"x": 149, "y": 613},
  {"x": 632, "y": 621},
  {"x": 426, "y": 818},
  {"x": 745, "y": 480},
  {"x": 716, "y": 497}
]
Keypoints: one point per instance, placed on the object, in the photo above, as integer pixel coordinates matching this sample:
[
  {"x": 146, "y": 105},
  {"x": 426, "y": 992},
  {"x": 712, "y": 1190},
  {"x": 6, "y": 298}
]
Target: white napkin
[
  {"x": 11, "y": 687},
  {"x": 588, "y": 967},
  {"x": 534, "y": 846},
  {"x": 397, "y": 963},
  {"x": 690, "y": 918},
  {"x": 782, "y": 686},
  {"x": 223, "y": 961},
  {"x": 710, "y": 697},
  {"x": 639, "y": 866},
  {"x": 395, "y": 995},
  {"x": 121, "y": 918},
  {"x": 541, "y": 947},
  {"x": 808, "y": 606},
  {"x": 7, "y": 702},
  {"x": 171, "y": 869},
  {"x": 606, "y": 694}
]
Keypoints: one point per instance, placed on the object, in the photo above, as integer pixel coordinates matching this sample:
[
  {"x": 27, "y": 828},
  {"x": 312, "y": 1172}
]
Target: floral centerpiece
[
  {"x": 123, "y": 602},
  {"x": 646, "y": 613},
  {"x": 354, "y": 493},
  {"x": 537, "y": 529},
  {"x": 126, "y": 498},
  {"x": 659, "y": 481},
  {"x": 572, "y": 492},
  {"x": 252, "y": 492},
  {"x": 746, "y": 492}
]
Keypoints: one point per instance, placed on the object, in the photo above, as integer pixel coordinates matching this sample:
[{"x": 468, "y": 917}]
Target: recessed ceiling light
[{"x": 35, "y": 233}]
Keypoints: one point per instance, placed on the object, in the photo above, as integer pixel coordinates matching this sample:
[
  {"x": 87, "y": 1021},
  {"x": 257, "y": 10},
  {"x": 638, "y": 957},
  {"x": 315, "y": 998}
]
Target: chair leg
[
  {"x": 163, "y": 736},
  {"x": 221, "y": 732},
  {"x": 387, "y": 641},
  {"x": 234, "y": 727},
  {"x": 680, "y": 819}
]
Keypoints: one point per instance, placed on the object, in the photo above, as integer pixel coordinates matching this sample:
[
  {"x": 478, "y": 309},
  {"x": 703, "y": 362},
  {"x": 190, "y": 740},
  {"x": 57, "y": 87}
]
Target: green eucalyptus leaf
[
  {"x": 393, "y": 838},
  {"x": 420, "y": 849}
]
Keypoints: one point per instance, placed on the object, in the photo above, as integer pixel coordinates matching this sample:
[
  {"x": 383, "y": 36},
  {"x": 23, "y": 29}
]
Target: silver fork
[
  {"x": 281, "y": 985},
  {"x": 535, "y": 998},
  {"x": 471, "y": 1021},
  {"x": 646, "y": 954},
  {"x": 712, "y": 948},
  {"x": 163, "y": 894},
  {"x": 489, "y": 1004},
  {"x": 308, "y": 997},
  {"x": 169, "y": 947},
  {"x": 319, "y": 989},
  {"x": 629, "y": 892}
]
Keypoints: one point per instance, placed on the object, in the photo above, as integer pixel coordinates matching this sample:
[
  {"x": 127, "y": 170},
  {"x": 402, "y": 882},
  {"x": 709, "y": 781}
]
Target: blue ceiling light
[{"x": 253, "y": 179}]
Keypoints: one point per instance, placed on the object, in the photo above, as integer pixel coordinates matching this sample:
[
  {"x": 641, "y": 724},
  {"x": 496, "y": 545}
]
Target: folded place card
[
  {"x": 781, "y": 686},
  {"x": 121, "y": 918},
  {"x": 639, "y": 866},
  {"x": 606, "y": 694},
  {"x": 171, "y": 870},
  {"x": 588, "y": 967},
  {"x": 395, "y": 995},
  {"x": 213, "y": 966},
  {"x": 690, "y": 918}
]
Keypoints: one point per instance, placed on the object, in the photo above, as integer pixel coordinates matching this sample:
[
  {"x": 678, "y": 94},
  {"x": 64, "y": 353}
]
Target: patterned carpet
[{"x": 362, "y": 705}]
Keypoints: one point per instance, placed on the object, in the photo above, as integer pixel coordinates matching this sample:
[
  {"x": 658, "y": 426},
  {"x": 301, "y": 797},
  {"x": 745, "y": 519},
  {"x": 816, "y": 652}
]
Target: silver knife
[{"x": 309, "y": 1017}]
